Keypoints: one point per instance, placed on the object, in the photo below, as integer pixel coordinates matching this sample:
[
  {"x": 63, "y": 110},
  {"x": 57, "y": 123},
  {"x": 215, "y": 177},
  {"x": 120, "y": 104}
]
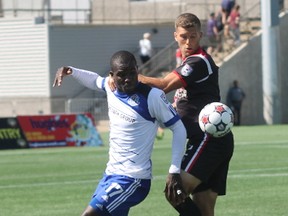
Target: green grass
[{"x": 60, "y": 181}]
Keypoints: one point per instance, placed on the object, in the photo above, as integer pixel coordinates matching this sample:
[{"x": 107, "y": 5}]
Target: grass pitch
[{"x": 60, "y": 181}]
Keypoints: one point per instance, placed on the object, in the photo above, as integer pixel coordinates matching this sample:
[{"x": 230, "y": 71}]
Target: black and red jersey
[{"x": 199, "y": 75}]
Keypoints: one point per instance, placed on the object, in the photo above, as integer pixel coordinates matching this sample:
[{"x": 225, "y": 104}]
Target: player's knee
[
  {"x": 188, "y": 208},
  {"x": 89, "y": 211},
  {"x": 206, "y": 202}
]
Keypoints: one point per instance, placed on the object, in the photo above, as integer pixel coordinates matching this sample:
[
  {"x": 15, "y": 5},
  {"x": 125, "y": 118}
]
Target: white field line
[
  {"x": 233, "y": 174},
  {"x": 259, "y": 170},
  {"x": 155, "y": 178},
  {"x": 262, "y": 142},
  {"x": 105, "y": 149}
]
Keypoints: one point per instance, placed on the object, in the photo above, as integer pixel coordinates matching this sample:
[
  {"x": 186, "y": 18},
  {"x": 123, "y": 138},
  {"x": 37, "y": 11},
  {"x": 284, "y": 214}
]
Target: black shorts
[{"x": 207, "y": 158}]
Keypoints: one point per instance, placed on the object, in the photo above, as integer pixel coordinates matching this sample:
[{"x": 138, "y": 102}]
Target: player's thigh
[
  {"x": 189, "y": 182},
  {"x": 89, "y": 211},
  {"x": 116, "y": 194}
]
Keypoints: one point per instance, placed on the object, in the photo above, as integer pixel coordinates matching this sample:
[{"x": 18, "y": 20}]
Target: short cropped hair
[
  {"x": 188, "y": 20},
  {"x": 122, "y": 60}
]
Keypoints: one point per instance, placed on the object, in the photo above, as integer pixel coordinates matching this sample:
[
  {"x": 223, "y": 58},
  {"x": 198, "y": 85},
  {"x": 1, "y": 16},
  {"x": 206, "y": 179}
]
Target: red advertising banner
[{"x": 60, "y": 130}]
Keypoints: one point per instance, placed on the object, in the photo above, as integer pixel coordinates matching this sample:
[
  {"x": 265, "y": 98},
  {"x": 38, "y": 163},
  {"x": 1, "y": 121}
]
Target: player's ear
[{"x": 175, "y": 36}]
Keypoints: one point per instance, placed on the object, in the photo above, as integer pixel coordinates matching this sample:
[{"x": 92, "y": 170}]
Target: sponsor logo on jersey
[
  {"x": 134, "y": 100},
  {"x": 186, "y": 70}
]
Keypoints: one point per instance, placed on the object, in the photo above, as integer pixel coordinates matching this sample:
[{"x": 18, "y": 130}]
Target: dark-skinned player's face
[{"x": 126, "y": 78}]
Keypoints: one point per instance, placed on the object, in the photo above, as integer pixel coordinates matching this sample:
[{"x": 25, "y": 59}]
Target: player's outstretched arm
[
  {"x": 168, "y": 83},
  {"x": 61, "y": 72},
  {"x": 86, "y": 78}
]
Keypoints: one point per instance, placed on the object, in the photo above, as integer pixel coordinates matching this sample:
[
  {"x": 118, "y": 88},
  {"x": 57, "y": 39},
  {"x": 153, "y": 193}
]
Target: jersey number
[{"x": 114, "y": 189}]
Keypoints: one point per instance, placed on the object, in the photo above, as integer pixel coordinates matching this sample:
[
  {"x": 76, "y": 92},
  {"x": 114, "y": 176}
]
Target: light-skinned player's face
[
  {"x": 188, "y": 40},
  {"x": 126, "y": 79}
]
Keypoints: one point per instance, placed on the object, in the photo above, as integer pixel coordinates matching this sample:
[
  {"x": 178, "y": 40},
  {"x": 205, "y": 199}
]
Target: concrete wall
[
  {"x": 90, "y": 47},
  {"x": 245, "y": 65}
]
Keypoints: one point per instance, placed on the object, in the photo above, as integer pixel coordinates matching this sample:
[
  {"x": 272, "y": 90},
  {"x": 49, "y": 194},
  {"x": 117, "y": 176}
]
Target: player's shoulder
[
  {"x": 197, "y": 57},
  {"x": 149, "y": 91},
  {"x": 144, "y": 89},
  {"x": 157, "y": 95},
  {"x": 156, "y": 91}
]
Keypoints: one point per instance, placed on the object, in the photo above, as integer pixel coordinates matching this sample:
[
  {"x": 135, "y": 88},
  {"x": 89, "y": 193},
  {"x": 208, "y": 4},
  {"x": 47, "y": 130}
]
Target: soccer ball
[{"x": 216, "y": 119}]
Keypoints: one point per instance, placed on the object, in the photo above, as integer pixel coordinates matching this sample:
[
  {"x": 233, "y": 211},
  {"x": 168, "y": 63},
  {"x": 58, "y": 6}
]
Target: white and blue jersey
[{"x": 134, "y": 120}]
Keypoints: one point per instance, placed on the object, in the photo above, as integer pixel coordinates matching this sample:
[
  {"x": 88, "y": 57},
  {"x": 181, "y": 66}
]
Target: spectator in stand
[
  {"x": 281, "y": 5},
  {"x": 145, "y": 46},
  {"x": 227, "y": 6},
  {"x": 234, "y": 24},
  {"x": 220, "y": 20},
  {"x": 235, "y": 97},
  {"x": 220, "y": 24},
  {"x": 212, "y": 34}
]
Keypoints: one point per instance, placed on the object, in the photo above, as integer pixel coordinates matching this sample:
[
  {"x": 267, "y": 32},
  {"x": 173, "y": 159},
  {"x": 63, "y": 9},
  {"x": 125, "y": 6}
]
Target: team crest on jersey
[
  {"x": 163, "y": 97},
  {"x": 134, "y": 100},
  {"x": 186, "y": 70}
]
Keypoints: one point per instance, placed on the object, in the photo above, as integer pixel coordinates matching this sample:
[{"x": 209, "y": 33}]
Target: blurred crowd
[{"x": 222, "y": 25}]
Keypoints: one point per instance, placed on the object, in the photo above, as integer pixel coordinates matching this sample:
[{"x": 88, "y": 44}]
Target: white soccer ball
[{"x": 216, "y": 119}]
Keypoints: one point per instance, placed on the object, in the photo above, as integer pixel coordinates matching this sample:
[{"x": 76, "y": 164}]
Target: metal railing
[
  {"x": 38, "y": 106},
  {"x": 163, "y": 61}
]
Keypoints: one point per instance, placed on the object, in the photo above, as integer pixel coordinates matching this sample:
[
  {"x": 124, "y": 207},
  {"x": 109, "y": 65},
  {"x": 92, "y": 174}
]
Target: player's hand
[
  {"x": 111, "y": 83},
  {"x": 61, "y": 72},
  {"x": 174, "y": 191}
]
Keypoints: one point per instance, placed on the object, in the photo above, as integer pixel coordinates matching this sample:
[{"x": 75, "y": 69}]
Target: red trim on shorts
[{"x": 197, "y": 153}]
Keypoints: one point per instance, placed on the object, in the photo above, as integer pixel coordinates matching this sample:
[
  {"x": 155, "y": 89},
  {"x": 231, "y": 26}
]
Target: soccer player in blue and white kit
[{"x": 135, "y": 112}]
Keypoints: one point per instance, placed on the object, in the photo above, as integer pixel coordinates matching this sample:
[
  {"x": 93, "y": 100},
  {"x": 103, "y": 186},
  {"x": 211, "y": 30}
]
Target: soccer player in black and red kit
[{"x": 206, "y": 162}]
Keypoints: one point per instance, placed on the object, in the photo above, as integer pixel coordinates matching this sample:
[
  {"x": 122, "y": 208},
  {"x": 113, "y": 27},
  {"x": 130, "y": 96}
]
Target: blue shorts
[{"x": 116, "y": 194}]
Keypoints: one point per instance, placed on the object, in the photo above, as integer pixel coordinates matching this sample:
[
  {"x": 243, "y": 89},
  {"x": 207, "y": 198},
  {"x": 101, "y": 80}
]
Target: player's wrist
[{"x": 174, "y": 169}]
